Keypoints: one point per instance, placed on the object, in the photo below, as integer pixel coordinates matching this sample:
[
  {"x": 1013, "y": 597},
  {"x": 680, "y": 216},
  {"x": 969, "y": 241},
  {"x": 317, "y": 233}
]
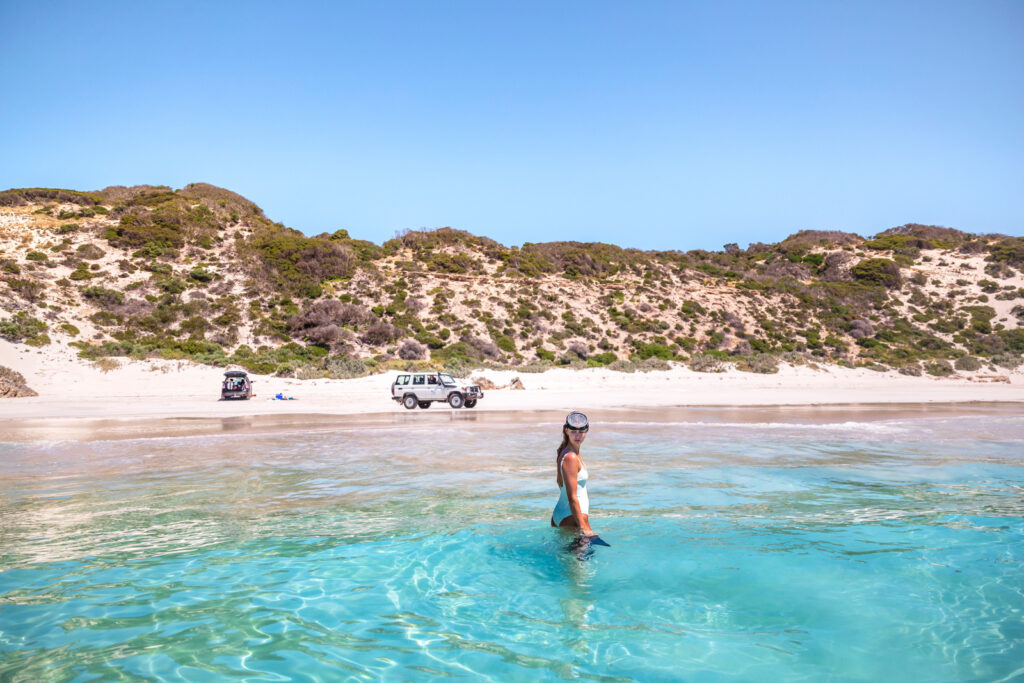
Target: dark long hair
[{"x": 565, "y": 441}]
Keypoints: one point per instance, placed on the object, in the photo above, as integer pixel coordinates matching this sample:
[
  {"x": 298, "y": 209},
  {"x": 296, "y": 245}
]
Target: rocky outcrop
[{"x": 484, "y": 383}]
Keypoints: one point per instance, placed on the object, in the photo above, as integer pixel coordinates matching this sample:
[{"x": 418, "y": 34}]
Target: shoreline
[
  {"x": 78, "y": 400},
  {"x": 50, "y": 429}
]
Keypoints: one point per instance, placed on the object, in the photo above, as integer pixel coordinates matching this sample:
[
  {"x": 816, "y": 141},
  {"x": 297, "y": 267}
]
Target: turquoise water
[{"x": 880, "y": 550}]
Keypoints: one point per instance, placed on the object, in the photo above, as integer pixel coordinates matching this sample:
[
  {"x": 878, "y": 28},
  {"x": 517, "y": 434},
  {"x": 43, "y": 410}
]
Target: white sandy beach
[{"x": 70, "y": 388}]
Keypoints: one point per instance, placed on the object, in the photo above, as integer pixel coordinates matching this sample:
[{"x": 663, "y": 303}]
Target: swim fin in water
[{"x": 583, "y": 543}]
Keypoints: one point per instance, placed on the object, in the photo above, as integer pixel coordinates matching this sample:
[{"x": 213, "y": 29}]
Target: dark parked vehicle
[{"x": 236, "y": 385}]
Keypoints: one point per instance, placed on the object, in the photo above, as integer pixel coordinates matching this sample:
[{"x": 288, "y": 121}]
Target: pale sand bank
[{"x": 183, "y": 396}]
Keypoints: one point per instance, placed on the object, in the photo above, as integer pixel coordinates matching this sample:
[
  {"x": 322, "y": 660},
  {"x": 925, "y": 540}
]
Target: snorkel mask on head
[{"x": 577, "y": 422}]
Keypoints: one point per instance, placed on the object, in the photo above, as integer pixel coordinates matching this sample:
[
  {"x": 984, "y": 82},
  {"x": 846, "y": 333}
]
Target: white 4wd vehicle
[{"x": 423, "y": 388}]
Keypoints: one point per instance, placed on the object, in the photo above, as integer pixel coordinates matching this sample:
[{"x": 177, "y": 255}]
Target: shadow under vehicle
[{"x": 237, "y": 385}]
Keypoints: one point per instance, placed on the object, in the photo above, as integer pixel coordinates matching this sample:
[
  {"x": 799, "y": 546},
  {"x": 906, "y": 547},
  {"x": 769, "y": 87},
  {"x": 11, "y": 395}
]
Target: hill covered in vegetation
[{"x": 201, "y": 273}]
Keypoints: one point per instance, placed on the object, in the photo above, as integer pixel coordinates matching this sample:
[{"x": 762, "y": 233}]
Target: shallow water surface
[{"x": 875, "y": 550}]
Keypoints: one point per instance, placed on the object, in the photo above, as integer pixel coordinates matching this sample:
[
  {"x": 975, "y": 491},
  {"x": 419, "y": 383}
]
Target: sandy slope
[{"x": 70, "y": 388}]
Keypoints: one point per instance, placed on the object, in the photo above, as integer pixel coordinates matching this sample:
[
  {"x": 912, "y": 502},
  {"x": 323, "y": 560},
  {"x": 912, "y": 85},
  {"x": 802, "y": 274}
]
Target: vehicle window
[
  {"x": 447, "y": 380},
  {"x": 431, "y": 380},
  {"x": 418, "y": 379},
  {"x": 402, "y": 379}
]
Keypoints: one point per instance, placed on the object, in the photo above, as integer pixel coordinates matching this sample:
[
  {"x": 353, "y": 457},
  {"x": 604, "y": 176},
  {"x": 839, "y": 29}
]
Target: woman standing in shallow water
[{"x": 573, "y": 507}]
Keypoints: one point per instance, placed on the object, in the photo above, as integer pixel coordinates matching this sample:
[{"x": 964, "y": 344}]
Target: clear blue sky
[{"x": 667, "y": 125}]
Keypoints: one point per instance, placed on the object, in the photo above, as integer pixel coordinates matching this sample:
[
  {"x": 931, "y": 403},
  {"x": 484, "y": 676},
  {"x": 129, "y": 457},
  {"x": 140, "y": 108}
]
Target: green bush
[
  {"x": 36, "y": 256},
  {"x": 81, "y": 273},
  {"x": 172, "y": 285},
  {"x": 345, "y": 367},
  {"x": 90, "y": 252},
  {"x": 103, "y": 297},
  {"x": 30, "y": 290},
  {"x": 938, "y": 368},
  {"x": 201, "y": 275},
  {"x": 653, "y": 350},
  {"x": 41, "y": 339},
  {"x": 21, "y": 327},
  {"x": 877, "y": 271},
  {"x": 601, "y": 359},
  {"x": 544, "y": 354}
]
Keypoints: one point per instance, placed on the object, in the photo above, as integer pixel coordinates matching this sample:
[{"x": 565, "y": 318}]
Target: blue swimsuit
[{"x": 562, "y": 509}]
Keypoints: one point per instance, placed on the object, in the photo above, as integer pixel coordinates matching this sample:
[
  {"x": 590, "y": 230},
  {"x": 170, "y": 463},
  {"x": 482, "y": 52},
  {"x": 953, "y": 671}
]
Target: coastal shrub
[
  {"x": 380, "y": 333},
  {"x": 103, "y": 297},
  {"x": 89, "y": 252},
  {"x": 653, "y": 350},
  {"x": 29, "y": 290},
  {"x": 106, "y": 365},
  {"x": 412, "y": 350},
  {"x": 69, "y": 329},
  {"x": 503, "y": 342},
  {"x": 652, "y": 364},
  {"x": 981, "y": 317},
  {"x": 762, "y": 363},
  {"x": 297, "y": 263},
  {"x": 1008, "y": 360},
  {"x": 544, "y": 354},
  {"x": 579, "y": 349},
  {"x": 201, "y": 275},
  {"x": 458, "y": 367},
  {"x": 285, "y": 370},
  {"x": 533, "y": 368},
  {"x": 310, "y": 372},
  {"x": 12, "y": 376},
  {"x": 913, "y": 370},
  {"x": 601, "y": 359},
  {"x": 622, "y": 366},
  {"x": 704, "y": 362},
  {"x": 323, "y": 335},
  {"x": 967, "y": 363},
  {"x": 106, "y": 319},
  {"x": 171, "y": 285},
  {"x": 147, "y": 229},
  {"x": 450, "y": 263},
  {"x": 938, "y": 368},
  {"x": 1009, "y": 251},
  {"x": 37, "y": 256},
  {"x": 877, "y": 271},
  {"x": 21, "y": 327},
  {"x": 860, "y": 329},
  {"x": 482, "y": 347}
]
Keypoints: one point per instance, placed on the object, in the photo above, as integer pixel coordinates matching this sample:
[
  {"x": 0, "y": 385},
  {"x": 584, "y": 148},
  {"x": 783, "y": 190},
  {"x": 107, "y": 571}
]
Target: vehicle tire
[
  {"x": 470, "y": 403},
  {"x": 455, "y": 400},
  {"x": 424, "y": 404},
  {"x": 410, "y": 402}
]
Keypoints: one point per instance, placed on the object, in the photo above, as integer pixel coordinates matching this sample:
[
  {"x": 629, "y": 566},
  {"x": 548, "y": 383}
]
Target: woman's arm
[{"x": 569, "y": 474}]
